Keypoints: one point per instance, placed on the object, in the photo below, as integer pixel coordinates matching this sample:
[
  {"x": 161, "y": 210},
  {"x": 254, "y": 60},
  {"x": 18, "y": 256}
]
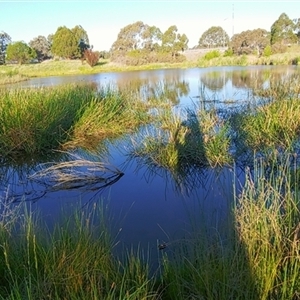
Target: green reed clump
[
  {"x": 268, "y": 225},
  {"x": 271, "y": 126},
  {"x": 39, "y": 119},
  {"x": 74, "y": 261},
  {"x": 255, "y": 254},
  {"x": 216, "y": 138},
  {"x": 184, "y": 140},
  {"x": 170, "y": 143},
  {"x": 111, "y": 114}
]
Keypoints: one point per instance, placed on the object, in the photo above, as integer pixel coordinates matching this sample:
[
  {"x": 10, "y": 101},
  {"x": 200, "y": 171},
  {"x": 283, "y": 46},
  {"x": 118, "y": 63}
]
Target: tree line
[{"x": 140, "y": 43}]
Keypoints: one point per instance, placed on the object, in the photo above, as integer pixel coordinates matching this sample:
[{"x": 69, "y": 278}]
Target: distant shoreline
[{"x": 194, "y": 58}]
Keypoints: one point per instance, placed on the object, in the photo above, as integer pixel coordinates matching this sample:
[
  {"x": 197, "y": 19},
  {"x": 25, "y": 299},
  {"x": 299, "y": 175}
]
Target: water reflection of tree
[
  {"x": 215, "y": 80},
  {"x": 248, "y": 78},
  {"x": 171, "y": 88}
]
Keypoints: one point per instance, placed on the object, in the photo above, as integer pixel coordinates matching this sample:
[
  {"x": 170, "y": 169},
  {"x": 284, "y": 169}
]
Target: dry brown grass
[{"x": 76, "y": 173}]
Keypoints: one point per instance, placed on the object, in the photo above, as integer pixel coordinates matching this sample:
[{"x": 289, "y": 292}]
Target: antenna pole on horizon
[{"x": 232, "y": 19}]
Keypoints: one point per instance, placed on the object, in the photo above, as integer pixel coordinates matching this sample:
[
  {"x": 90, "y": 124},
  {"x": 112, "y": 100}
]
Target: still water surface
[{"x": 146, "y": 206}]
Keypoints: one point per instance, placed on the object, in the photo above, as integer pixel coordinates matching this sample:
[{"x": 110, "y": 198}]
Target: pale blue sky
[{"x": 103, "y": 19}]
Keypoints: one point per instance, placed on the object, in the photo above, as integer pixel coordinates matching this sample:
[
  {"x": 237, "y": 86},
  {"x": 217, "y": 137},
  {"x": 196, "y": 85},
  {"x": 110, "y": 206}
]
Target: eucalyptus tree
[
  {"x": 20, "y": 52},
  {"x": 151, "y": 38},
  {"x": 131, "y": 37},
  {"x": 282, "y": 30},
  {"x": 297, "y": 28},
  {"x": 42, "y": 47},
  {"x": 250, "y": 41},
  {"x": 214, "y": 37},
  {"x": 173, "y": 42},
  {"x": 5, "y": 39}
]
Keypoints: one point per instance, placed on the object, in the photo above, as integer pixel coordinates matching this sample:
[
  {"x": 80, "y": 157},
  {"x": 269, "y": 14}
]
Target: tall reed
[
  {"x": 184, "y": 139},
  {"x": 113, "y": 113},
  {"x": 257, "y": 258},
  {"x": 39, "y": 119},
  {"x": 274, "y": 125},
  {"x": 73, "y": 261}
]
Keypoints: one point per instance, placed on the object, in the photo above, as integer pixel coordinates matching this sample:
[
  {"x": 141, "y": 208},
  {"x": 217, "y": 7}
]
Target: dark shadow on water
[{"x": 208, "y": 252}]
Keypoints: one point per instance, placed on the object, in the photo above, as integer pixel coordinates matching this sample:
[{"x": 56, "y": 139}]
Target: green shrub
[
  {"x": 242, "y": 60},
  {"x": 228, "y": 53},
  {"x": 267, "y": 51},
  {"x": 212, "y": 54}
]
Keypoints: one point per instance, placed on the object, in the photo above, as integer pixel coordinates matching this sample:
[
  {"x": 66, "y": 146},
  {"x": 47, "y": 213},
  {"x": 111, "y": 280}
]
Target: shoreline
[{"x": 16, "y": 73}]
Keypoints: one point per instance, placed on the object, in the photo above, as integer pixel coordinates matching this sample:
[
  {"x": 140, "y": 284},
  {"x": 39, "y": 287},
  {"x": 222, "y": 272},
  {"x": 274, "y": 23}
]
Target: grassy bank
[{"x": 15, "y": 73}]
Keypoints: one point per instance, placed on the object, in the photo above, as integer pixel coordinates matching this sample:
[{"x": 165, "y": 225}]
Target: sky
[{"x": 103, "y": 19}]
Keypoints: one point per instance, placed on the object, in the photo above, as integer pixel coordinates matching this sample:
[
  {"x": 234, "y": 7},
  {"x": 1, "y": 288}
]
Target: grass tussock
[
  {"x": 112, "y": 114},
  {"x": 258, "y": 257},
  {"x": 36, "y": 120},
  {"x": 183, "y": 140},
  {"x": 274, "y": 125},
  {"x": 74, "y": 261},
  {"x": 42, "y": 119},
  {"x": 268, "y": 218}
]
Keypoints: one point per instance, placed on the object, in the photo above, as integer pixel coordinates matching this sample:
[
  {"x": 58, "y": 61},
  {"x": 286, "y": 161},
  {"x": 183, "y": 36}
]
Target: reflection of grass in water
[{"x": 281, "y": 87}]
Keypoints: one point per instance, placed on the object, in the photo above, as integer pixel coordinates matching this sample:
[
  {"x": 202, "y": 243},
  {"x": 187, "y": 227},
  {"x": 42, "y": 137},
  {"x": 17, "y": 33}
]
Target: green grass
[
  {"x": 72, "y": 261},
  {"x": 183, "y": 140},
  {"x": 74, "y": 67},
  {"x": 110, "y": 115},
  {"x": 273, "y": 126},
  {"x": 10, "y": 74},
  {"x": 275, "y": 123},
  {"x": 258, "y": 257},
  {"x": 43, "y": 119},
  {"x": 37, "y": 120}
]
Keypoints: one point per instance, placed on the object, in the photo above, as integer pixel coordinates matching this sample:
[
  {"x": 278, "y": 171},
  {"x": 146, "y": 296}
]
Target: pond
[{"x": 147, "y": 207}]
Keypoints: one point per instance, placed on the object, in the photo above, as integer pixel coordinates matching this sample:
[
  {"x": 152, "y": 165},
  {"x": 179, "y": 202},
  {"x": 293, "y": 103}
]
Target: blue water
[{"x": 146, "y": 206}]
